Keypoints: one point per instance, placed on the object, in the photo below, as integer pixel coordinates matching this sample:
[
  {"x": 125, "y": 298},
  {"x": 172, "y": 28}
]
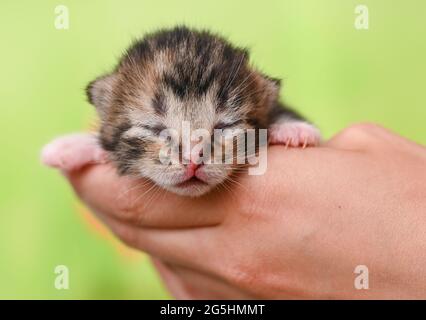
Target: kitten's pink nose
[{"x": 191, "y": 167}]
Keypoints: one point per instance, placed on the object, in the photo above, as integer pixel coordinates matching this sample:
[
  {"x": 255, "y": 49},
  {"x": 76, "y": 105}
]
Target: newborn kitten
[{"x": 180, "y": 75}]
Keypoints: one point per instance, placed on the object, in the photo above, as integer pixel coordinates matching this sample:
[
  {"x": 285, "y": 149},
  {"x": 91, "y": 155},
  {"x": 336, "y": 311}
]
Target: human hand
[{"x": 298, "y": 231}]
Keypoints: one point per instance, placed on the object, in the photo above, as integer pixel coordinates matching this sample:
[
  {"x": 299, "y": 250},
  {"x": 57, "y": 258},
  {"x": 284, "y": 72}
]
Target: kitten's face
[
  {"x": 164, "y": 86},
  {"x": 141, "y": 144}
]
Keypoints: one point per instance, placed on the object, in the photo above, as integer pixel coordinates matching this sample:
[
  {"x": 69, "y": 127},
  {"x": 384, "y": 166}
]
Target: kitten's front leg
[
  {"x": 289, "y": 129},
  {"x": 74, "y": 151}
]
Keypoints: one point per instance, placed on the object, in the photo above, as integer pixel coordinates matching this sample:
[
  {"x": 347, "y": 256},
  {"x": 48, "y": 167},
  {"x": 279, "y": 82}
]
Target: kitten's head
[{"x": 170, "y": 78}]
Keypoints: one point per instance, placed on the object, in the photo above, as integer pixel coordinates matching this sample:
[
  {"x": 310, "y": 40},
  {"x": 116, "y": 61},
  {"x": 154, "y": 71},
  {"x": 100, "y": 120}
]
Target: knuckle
[
  {"x": 251, "y": 280},
  {"x": 125, "y": 234},
  {"x": 242, "y": 275},
  {"x": 131, "y": 205},
  {"x": 358, "y": 131},
  {"x": 126, "y": 209},
  {"x": 129, "y": 209},
  {"x": 361, "y": 128}
]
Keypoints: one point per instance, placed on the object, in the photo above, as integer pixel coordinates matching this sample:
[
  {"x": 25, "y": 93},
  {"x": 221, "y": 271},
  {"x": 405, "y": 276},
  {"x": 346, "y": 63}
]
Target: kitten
[{"x": 173, "y": 76}]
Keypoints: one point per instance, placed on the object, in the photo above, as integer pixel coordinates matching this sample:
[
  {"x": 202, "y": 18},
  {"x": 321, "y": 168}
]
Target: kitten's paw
[
  {"x": 294, "y": 134},
  {"x": 73, "y": 152}
]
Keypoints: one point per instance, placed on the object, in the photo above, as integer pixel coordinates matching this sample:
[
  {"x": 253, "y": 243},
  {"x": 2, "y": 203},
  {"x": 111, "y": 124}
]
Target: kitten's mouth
[{"x": 194, "y": 181}]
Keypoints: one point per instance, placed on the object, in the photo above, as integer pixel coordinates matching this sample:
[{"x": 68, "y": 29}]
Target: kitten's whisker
[
  {"x": 230, "y": 190},
  {"x": 138, "y": 185},
  {"x": 143, "y": 194},
  {"x": 154, "y": 195}
]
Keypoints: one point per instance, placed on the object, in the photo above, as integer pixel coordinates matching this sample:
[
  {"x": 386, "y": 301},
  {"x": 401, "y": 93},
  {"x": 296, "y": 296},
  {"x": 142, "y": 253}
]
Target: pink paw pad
[
  {"x": 294, "y": 134},
  {"x": 72, "y": 152}
]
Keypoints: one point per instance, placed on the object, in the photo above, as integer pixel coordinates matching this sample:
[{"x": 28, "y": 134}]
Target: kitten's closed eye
[
  {"x": 143, "y": 131},
  {"x": 226, "y": 125},
  {"x": 155, "y": 129}
]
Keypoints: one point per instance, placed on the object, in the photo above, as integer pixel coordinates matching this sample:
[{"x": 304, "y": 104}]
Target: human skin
[{"x": 297, "y": 232}]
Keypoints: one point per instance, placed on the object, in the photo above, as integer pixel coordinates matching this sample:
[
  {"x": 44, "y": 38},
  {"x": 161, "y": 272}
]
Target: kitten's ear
[{"x": 100, "y": 92}]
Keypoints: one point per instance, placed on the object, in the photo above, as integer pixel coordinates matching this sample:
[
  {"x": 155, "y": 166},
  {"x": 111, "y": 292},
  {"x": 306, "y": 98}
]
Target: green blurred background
[{"x": 333, "y": 73}]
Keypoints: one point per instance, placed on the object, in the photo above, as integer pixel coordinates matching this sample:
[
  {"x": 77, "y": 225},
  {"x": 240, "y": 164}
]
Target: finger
[
  {"x": 204, "y": 286},
  {"x": 143, "y": 203},
  {"x": 173, "y": 283},
  {"x": 355, "y": 137},
  {"x": 189, "y": 247},
  {"x": 363, "y": 136},
  {"x": 371, "y": 138}
]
